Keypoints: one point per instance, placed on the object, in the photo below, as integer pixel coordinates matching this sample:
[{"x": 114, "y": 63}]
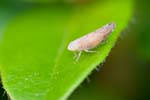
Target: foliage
[{"x": 35, "y": 62}]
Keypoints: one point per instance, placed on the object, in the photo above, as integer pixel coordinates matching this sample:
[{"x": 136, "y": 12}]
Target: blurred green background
[{"x": 126, "y": 73}]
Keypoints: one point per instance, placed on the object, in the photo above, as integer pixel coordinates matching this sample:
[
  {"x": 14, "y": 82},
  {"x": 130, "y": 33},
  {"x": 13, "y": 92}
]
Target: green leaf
[{"x": 36, "y": 64}]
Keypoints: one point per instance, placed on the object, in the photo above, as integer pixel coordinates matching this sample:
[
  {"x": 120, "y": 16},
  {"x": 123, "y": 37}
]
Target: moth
[{"x": 91, "y": 40}]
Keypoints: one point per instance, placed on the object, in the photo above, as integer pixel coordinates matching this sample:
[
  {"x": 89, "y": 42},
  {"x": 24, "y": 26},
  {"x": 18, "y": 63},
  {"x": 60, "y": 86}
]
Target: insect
[{"x": 91, "y": 40}]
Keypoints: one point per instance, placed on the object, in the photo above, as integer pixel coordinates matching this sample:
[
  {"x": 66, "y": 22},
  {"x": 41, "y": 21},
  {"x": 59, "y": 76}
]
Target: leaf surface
[{"x": 36, "y": 64}]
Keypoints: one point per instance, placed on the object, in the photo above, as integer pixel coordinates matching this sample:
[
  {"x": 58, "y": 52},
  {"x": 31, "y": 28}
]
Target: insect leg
[
  {"x": 89, "y": 51},
  {"x": 75, "y": 55},
  {"x": 104, "y": 42},
  {"x": 78, "y": 56}
]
